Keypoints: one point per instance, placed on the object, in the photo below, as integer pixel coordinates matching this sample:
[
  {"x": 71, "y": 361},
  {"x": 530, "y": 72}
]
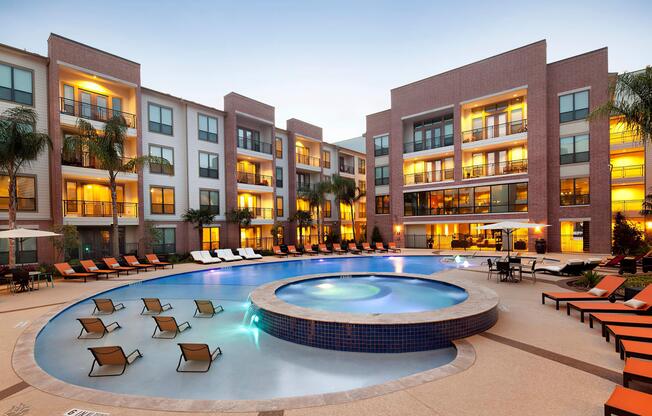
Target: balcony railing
[
  {"x": 308, "y": 160},
  {"x": 22, "y": 204},
  {"x": 627, "y": 205},
  {"x": 347, "y": 169},
  {"x": 254, "y": 179},
  {"x": 519, "y": 206},
  {"x": 94, "y": 112},
  {"x": 428, "y": 144},
  {"x": 428, "y": 177},
  {"x": 622, "y": 172},
  {"x": 345, "y": 215},
  {"x": 87, "y": 160},
  {"x": 262, "y": 243},
  {"x": 495, "y": 169},
  {"x": 577, "y": 199},
  {"x": 304, "y": 187},
  {"x": 261, "y": 213},
  {"x": 80, "y": 208},
  {"x": 624, "y": 137},
  {"x": 255, "y": 145},
  {"x": 492, "y": 132}
]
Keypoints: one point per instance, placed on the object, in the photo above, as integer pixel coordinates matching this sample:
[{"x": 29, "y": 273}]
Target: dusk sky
[{"x": 327, "y": 63}]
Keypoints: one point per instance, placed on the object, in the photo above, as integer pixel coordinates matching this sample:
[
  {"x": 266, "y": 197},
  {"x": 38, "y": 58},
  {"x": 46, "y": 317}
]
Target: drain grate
[{"x": 82, "y": 412}]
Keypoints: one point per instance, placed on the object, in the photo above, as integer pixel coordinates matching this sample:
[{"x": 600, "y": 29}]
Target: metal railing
[
  {"x": 492, "y": 132},
  {"x": 428, "y": 144},
  {"x": 304, "y": 187},
  {"x": 327, "y": 164},
  {"x": 410, "y": 211},
  {"x": 577, "y": 199},
  {"x": 261, "y": 213},
  {"x": 428, "y": 177},
  {"x": 308, "y": 160},
  {"x": 632, "y": 171},
  {"x": 627, "y": 205},
  {"x": 262, "y": 243},
  {"x": 255, "y": 145},
  {"x": 94, "y": 112},
  {"x": 254, "y": 179},
  {"x": 624, "y": 137},
  {"x": 345, "y": 215},
  {"x": 80, "y": 208},
  {"x": 495, "y": 169},
  {"x": 87, "y": 160},
  {"x": 347, "y": 169},
  {"x": 22, "y": 204}
]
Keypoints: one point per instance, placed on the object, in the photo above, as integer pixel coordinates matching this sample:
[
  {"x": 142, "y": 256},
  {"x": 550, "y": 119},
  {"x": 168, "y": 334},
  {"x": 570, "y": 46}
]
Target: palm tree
[
  {"x": 198, "y": 217},
  {"x": 348, "y": 194},
  {"x": 303, "y": 219},
  {"x": 316, "y": 197},
  {"x": 107, "y": 148},
  {"x": 240, "y": 216},
  {"x": 632, "y": 102},
  {"x": 19, "y": 146}
]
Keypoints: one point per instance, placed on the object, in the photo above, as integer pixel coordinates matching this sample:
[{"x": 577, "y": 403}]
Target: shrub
[
  {"x": 375, "y": 235},
  {"x": 627, "y": 238},
  {"x": 589, "y": 279}
]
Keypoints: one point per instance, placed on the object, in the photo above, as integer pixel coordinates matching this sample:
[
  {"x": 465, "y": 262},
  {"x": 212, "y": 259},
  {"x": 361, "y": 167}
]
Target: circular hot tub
[{"x": 389, "y": 312}]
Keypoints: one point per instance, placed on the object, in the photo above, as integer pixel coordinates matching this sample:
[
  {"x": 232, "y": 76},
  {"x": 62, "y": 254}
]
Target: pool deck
[{"x": 534, "y": 361}]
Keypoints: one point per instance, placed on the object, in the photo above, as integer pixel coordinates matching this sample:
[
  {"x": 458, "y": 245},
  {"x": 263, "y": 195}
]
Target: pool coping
[{"x": 26, "y": 367}]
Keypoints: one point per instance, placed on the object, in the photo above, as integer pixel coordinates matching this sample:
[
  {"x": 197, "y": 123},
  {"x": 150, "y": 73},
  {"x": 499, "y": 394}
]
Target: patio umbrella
[
  {"x": 22, "y": 233},
  {"x": 509, "y": 227}
]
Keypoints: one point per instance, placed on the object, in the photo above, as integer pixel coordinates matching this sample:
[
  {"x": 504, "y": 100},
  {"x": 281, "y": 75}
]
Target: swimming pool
[{"x": 255, "y": 365}]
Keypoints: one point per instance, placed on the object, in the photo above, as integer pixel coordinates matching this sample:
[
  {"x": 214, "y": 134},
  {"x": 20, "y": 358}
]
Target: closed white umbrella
[
  {"x": 509, "y": 227},
  {"x": 22, "y": 233}
]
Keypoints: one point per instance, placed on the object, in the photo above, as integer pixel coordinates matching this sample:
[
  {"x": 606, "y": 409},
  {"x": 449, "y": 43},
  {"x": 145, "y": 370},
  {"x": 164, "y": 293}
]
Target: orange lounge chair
[
  {"x": 308, "y": 250},
  {"x": 206, "y": 309},
  {"x": 113, "y": 355},
  {"x": 619, "y": 320},
  {"x": 380, "y": 248},
  {"x": 644, "y": 295},
  {"x": 338, "y": 249},
  {"x": 197, "y": 352},
  {"x": 66, "y": 271},
  {"x": 628, "y": 333},
  {"x": 637, "y": 370},
  {"x": 133, "y": 262},
  {"x": 367, "y": 248},
  {"x": 154, "y": 306},
  {"x": 278, "y": 252},
  {"x": 153, "y": 259},
  {"x": 628, "y": 402},
  {"x": 324, "y": 250},
  {"x": 611, "y": 261},
  {"x": 608, "y": 283},
  {"x": 90, "y": 267},
  {"x": 293, "y": 250},
  {"x": 95, "y": 326},
  {"x": 106, "y": 306},
  {"x": 391, "y": 246},
  {"x": 113, "y": 264},
  {"x": 353, "y": 249},
  {"x": 640, "y": 349},
  {"x": 168, "y": 324}
]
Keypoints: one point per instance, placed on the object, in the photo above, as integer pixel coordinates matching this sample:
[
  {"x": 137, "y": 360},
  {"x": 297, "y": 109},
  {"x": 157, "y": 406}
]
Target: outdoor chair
[
  {"x": 605, "y": 288},
  {"x": 168, "y": 325},
  {"x": 644, "y": 298},
  {"x": 95, "y": 326},
  {"x": 637, "y": 370},
  {"x": 154, "y": 306},
  {"x": 367, "y": 248},
  {"x": 309, "y": 251},
  {"x": 90, "y": 267},
  {"x": 338, "y": 249},
  {"x": 153, "y": 259},
  {"x": 627, "y": 402},
  {"x": 638, "y": 349},
  {"x": 391, "y": 246},
  {"x": 114, "y": 356},
  {"x": 197, "y": 352},
  {"x": 67, "y": 272},
  {"x": 293, "y": 250},
  {"x": 113, "y": 264},
  {"x": 604, "y": 319},
  {"x": 206, "y": 309},
  {"x": 134, "y": 262},
  {"x": 380, "y": 248},
  {"x": 106, "y": 306},
  {"x": 227, "y": 255},
  {"x": 620, "y": 333},
  {"x": 278, "y": 252},
  {"x": 353, "y": 249}
]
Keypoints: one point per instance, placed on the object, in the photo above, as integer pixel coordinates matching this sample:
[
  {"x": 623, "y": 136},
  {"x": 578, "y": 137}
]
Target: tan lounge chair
[
  {"x": 95, "y": 326},
  {"x": 206, "y": 309},
  {"x": 367, "y": 248},
  {"x": 113, "y": 355},
  {"x": 113, "y": 264},
  {"x": 380, "y": 248},
  {"x": 324, "y": 250},
  {"x": 278, "y": 252},
  {"x": 197, "y": 352},
  {"x": 153, "y": 306},
  {"x": 338, "y": 249},
  {"x": 293, "y": 250},
  {"x": 309, "y": 251},
  {"x": 134, "y": 262},
  {"x": 67, "y": 272},
  {"x": 153, "y": 259},
  {"x": 643, "y": 321},
  {"x": 608, "y": 283},
  {"x": 90, "y": 267},
  {"x": 644, "y": 296},
  {"x": 168, "y": 324},
  {"x": 106, "y": 306},
  {"x": 391, "y": 246}
]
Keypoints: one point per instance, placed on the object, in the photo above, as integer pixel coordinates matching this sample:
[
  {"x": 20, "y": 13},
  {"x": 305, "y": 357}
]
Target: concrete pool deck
[{"x": 535, "y": 360}]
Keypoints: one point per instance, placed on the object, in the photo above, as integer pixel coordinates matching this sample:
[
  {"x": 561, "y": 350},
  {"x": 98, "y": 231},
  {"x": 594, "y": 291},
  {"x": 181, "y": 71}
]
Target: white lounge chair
[
  {"x": 252, "y": 254},
  {"x": 247, "y": 255},
  {"x": 573, "y": 267},
  {"x": 227, "y": 255},
  {"x": 204, "y": 257}
]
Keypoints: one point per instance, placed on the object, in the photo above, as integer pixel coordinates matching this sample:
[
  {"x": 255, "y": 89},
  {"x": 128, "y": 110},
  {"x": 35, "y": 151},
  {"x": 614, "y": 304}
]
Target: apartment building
[{"x": 505, "y": 138}]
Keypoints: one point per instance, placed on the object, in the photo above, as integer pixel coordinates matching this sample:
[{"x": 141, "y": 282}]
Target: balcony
[
  {"x": 624, "y": 137},
  {"x": 345, "y": 215},
  {"x": 495, "y": 131},
  {"x": 254, "y": 179},
  {"x": 414, "y": 211},
  {"x": 79, "y": 208},
  {"x": 255, "y": 145},
  {"x": 304, "y": 187},
  {"x": 428, "y": 177},
  {"x": 93, "y": 112},
  {"x": 495, "y": 169},
  {"x": 260, "y": 213},
  {"x": 625, "y": 172},
  {"x": 631, "y": 205},
  {"x": 347, "y": 169},
  {"x": 428, "y": 144},
  {"x": 308, "y": 160},
  {"x": 86, "y": 160}
]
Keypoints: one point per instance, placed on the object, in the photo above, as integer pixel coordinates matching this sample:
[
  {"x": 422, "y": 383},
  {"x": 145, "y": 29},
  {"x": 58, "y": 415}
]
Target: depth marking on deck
[
  {"x": 272, "y": 413},
  {"x": 34, "y": 307},
  {"x": 9, "y": 391}
]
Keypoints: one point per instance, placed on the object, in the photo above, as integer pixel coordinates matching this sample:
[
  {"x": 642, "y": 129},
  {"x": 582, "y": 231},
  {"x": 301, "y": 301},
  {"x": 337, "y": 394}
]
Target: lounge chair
[
  {"x": 168, "y": 324},
  {"x": 113, "y": 355},
  {"x": 95, "y": 326},
  {"x": 293, "y": 250},
  {"x": 133, "y": 262},
  {"x": 612, "y": 261},
  {"x": 608, "y": 284},
  {"x": 113, "y": 264},
  {"x": 206, "y": 309},
  {"x": 620, "y": 333},
  {"x": 338, "y": 249},
  {"x": 637, "y": 370},
  {"x": 591, "y": 264},
  {"x": 367, "y": 248},
  {"x": 309, "y": 251},
  {"x": 227, "y": 255},
  {"x": 353, "y": 249},
  {"x": 278, "y": 252},
  {"x": 90, "y": 267},
  {"x": 248, "y": 255},
  {"x": 391, "y": 246},
  {"x": 573, "y": 267},
  {"x": 380, "y": 248},
  {"x": 154, "y": 306},
  {"x": 68, "y": 272},
  {"x": 252, "y": 254},
  {"x": 197, "y": 352},
  {"x": 324, "y": 250},
  {"x": 639, "y": 349},
  {"x": 644, "y": 296},
  {"x": 153, "y": 259},
  {"x": 204, "y": 257},
  {"x": 106, "y": 306},
  {"x": 605, "y": 319},
  {"x": 209, "y": 257},
  {"x": 628, "y": 402}
]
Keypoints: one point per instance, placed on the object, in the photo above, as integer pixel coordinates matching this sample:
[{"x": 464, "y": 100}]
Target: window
[
  {"x": 574, "y": 149},
  {"x": 250, "y": 139},
  {"x": 362, "y": 165},
  {"x": 430, "y": 134},
  {"x": 25, "y": 252},
  {"x": 208, "y": 165},
  {"x": 160, "y": 119},
  {"x": 382, "y": 175},
  {"x": 382, "y": 204},
  {"x": 574, "y": 191},
  {"x": 381, "y": 145},
  {"x": 207, "y": 128},
  {"x": 362, "y": 186},
  {"x": 25, "y": 191},
  {"x": 279, "y": 177},
  {"x": 209, "y": 200},
  {"x": 167, "y": 241},
  {"x": 279, "y": 148},
  {"x": 166, "y": 153},
  {"x": 161, "y": 200},
  {"x": 279, "y": 206},
  {"x": 210, "y": 238},
  {"x": 326, "y": 156},
  {"x": 573, "y": 106},
  {"x": 16, "y": 85},
  {"x": 327, "y": 209},
  {"x": 362, "y": 210}
]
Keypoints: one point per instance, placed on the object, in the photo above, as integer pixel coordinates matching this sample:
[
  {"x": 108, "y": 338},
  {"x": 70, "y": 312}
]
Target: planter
[
  {"x": 630, "y": 292},
  {"x": 540, "y": 246}
]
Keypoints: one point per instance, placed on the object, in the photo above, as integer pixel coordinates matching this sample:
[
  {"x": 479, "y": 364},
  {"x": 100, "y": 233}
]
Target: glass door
[
  {"x": 68, "y": 99},
  {"x": 85, "y": 99},
  {"x": 102, "y": 110}
]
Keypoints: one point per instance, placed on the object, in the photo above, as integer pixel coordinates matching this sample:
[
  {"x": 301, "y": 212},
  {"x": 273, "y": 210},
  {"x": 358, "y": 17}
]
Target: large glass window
[
  {"x": 326, "y": 157},
  {"x": 16, "y": 85},
  {"x": 381, "y": 175},
  {"x": 279, "y": 177},
  {"x": 279, "y": 206},
  {"x": 210, "y": 238},
  {"x": 381, "y": 145},
  {"x": 573, "y": 106},
  {"x": 167, "y": 241},
  {"x": 208, "y": 165},
  {"x": 161, "y": 200},
  {"x": 160, "y": 119},
  {"x": 362, "y": 166},
  {"x": 250, "y": 140},
  {"x": 328, "y": 206},
  {"x": 207, "y": 128},
  {"x": 574, "y": 191},
  {"x": 574, "y": 149},
  {"x": 382, "y": 204},
  {"x": 166, "y": 153},
  {"x": 209, "y": 200},
  {"x": 25, "y": 191},
  {"x": 25, "y": 251},
  {"x": 430, "y": 134},
  {"x": 279, "y": 148}
]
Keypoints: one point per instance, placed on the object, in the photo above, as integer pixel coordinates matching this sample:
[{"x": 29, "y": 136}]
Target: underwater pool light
[{"x": 325, "y": 285}]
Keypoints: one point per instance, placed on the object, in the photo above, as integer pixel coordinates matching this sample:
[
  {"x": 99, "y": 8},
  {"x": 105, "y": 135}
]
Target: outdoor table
[
  {"x": 512, "y": 268},
  {"x": 30, "y": 284}
]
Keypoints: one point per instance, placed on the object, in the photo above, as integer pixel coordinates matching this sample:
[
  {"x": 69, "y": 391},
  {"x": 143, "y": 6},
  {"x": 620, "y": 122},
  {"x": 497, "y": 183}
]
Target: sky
[{"x": 328, "y": 63}]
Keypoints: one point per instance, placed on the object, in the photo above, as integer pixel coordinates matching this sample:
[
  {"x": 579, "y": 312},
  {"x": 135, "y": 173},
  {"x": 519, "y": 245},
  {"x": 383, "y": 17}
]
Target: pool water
[
  {"x": 254, "y": 364},
  {"x": 372, "y": 294}
]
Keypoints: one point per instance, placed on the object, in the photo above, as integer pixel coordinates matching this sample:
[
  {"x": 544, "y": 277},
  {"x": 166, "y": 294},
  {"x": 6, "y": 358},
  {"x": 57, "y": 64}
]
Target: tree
[
  {"x": 348, "y": 194},
  {"x": 316, "y": 197},
  {"x": 275, "y": 232},
  {"x": 627, "y": 238},
  {"x": 107, "y": 148},
  {"x": 240, "y": 216},
  {"x": 198, "y": 217},
  {"x": 632, "y": 102},
  {"x": 375, "y": 235},
  {"x": 68, "y": 240},
  {"x": 151, "y": 235},
  {"x": 303, "y": 219},
  {"x": 19, "y": 146}
]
